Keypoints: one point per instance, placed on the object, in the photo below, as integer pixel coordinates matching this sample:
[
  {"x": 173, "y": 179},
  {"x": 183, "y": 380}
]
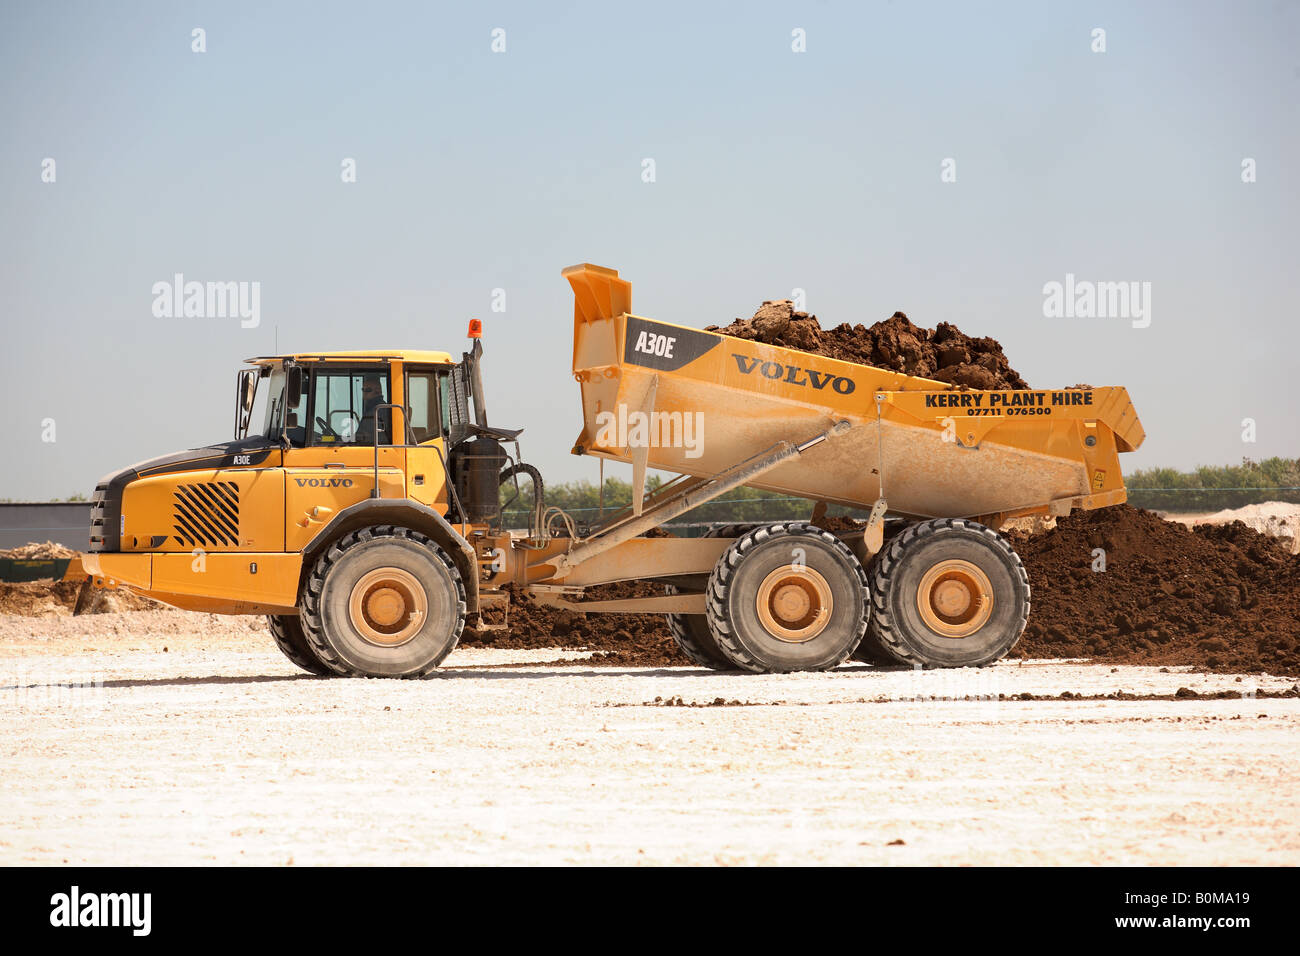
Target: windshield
[
  {"x": 275, "y": 404},
  {"x": 276, "y": 411}
]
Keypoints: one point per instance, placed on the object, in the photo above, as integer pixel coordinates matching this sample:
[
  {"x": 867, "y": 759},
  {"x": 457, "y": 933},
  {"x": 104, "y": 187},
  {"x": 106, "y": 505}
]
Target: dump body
[{"x": 669, "y": 397}]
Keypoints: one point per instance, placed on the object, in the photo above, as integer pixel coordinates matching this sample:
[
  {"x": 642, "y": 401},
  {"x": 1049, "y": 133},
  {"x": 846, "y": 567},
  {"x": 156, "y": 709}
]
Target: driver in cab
[{"x": 372, "y": 395}]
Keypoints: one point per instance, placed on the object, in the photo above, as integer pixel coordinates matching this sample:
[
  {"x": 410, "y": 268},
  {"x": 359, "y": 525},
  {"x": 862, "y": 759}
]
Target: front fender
[{"x": 404, "y": 513}]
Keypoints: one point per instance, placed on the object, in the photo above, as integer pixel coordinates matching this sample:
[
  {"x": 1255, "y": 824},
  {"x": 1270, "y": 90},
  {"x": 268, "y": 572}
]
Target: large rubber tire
[
  {"x": 293, "y": 643},
  {"x": 873, "y": 650},
  {"x": 691, "y": 632},
  {"x": 766, "y": 554},
  {"x": 692, "y": 636},
  {"x": 897, "y": 621},
  {"x": 333, "y": 603}
]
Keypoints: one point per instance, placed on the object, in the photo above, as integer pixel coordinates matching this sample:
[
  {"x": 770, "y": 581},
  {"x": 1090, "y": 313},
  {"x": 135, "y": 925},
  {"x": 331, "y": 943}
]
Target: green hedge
[{"x": 1215, "y": 487}]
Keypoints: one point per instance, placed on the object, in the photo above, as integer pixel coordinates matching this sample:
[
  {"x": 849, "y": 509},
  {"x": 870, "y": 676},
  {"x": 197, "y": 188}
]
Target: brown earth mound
[
  {"x": 945, "y": 353},
  {"x": 56, "y": 598},
  {"x": 631, "y": 640},
  {"x": 1221, "y": 598}
]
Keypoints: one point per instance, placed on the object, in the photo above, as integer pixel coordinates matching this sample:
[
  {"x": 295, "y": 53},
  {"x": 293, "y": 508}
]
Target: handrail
[
  {"x": 412, "y": 443},
  {"x": 408, "y": 434}
]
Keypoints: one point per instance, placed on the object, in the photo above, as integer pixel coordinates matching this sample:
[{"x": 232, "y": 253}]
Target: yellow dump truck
[{"x": 363, "y": 514}]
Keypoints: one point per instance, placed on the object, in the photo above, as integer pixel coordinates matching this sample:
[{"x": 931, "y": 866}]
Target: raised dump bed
[{"x": 707, "y": 401}]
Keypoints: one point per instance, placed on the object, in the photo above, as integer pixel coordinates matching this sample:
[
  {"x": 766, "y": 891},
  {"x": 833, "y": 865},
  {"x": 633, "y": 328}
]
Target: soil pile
[
  {"x": 1217, "y": 597},
  {"x": 619, "y": 640},
  {"x": 944, "y": 353},
  {"x": 47, "y": 598},
  {"x": 1277, "y": 519}
]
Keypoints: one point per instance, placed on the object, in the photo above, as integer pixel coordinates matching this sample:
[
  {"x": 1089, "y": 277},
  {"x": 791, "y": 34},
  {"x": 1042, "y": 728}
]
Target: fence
[
  {"x": 1195, "y": 500},
  {"x": 64, "y": 522}
]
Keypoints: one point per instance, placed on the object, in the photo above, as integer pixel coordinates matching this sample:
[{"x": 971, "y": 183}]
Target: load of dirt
[
  {"x": 38, "y": 551},
  {"x": 944, "y": 353},
  {"x": 1124, "y": 585}
]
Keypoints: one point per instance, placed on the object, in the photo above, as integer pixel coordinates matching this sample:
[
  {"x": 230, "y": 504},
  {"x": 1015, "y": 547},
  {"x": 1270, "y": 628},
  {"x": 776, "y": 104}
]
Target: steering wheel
[{"x": 325, "y": 426}]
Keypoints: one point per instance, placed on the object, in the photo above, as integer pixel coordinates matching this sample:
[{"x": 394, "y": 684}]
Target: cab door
[
  {"x": 425, "y": 404},
  {"x": 336, "y": 465}
]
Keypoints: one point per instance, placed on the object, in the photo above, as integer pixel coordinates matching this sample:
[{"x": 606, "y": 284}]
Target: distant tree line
[{"x": 1215, "y": 487}]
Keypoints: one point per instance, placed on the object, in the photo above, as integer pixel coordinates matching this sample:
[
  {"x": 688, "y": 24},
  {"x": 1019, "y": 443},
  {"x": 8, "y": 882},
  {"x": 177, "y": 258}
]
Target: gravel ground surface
[{"x": 218, "y": 750}]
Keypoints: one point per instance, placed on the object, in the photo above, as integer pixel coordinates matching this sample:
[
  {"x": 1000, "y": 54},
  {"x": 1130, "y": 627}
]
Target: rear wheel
[
  {"x": 787, "y": 597},
  {"x": 948, "y": 593},
  {"x": 383, "y": 602},
  {"x": 293, "y": 643}
]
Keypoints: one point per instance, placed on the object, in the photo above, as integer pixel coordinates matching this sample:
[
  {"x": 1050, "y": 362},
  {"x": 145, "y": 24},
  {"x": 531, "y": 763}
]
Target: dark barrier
[
  {"x": 32, "y": 569},
  {"x": 66, "y": 523}
]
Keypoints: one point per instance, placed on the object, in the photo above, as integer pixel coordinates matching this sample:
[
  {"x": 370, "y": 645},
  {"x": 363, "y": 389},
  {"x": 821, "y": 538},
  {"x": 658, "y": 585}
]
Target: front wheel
[
  {"x": 383, "y": 602},
  {"x": 289, "y": 637}
]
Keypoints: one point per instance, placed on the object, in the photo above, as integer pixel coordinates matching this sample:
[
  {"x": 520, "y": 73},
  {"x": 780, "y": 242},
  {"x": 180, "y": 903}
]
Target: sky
[{"x": 774, "y": 170}]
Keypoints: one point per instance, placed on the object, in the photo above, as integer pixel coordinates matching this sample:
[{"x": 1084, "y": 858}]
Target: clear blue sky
[{"x": 775, "y": 170}]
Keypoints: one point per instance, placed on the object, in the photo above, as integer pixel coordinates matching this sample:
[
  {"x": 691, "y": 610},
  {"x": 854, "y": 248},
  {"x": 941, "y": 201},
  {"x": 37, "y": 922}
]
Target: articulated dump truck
[{"x": 363, "y": 515}]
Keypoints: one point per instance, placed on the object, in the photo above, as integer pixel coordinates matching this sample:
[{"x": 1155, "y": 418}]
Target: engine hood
[
  {"x": 256, "y": 449},
  {"x": 106, "y": 504}
]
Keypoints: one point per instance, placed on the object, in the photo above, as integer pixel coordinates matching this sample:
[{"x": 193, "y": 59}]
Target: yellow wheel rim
[
  {"x": 955, "y": 598},
  {"x": 794, "y": 602},
  {"x": 388, "y": 606}
]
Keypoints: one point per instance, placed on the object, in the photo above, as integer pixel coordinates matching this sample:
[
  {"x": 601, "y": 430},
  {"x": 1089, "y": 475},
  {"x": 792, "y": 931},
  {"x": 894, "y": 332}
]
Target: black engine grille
[{"x": 207, "y": 514}]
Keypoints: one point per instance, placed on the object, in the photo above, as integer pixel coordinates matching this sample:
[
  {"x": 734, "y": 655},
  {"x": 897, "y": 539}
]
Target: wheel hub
[
  {"x": 387, "y": 606},
  {"x": 794, "y": 603},
  {"x": 955, "y": 598}
]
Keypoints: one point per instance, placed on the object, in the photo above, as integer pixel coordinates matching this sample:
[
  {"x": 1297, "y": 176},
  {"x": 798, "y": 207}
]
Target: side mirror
[
  {"x": 294, "y": 386},
  {"x": 245, "y": 392}
]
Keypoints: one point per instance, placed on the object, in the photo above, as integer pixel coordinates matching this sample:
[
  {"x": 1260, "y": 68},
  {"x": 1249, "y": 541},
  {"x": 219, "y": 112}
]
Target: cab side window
[
  {"x": 343, "y": 407},
  {"x": 422, "y": 403}
]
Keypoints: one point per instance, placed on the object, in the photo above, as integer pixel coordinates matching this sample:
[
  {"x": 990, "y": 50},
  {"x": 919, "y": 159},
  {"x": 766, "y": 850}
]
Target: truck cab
[{"x": 227, "y": 527}]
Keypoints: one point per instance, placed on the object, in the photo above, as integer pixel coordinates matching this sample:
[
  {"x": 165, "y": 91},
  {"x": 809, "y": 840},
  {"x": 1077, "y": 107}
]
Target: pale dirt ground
[{"x": 218, "y": 750}]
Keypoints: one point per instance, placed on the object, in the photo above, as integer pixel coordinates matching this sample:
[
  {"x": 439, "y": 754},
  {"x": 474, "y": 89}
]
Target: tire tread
[
  {"x": 720, "y": 622},
  {"x": 882, "y": 626},
  {"x": 309, "y": 604}
]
